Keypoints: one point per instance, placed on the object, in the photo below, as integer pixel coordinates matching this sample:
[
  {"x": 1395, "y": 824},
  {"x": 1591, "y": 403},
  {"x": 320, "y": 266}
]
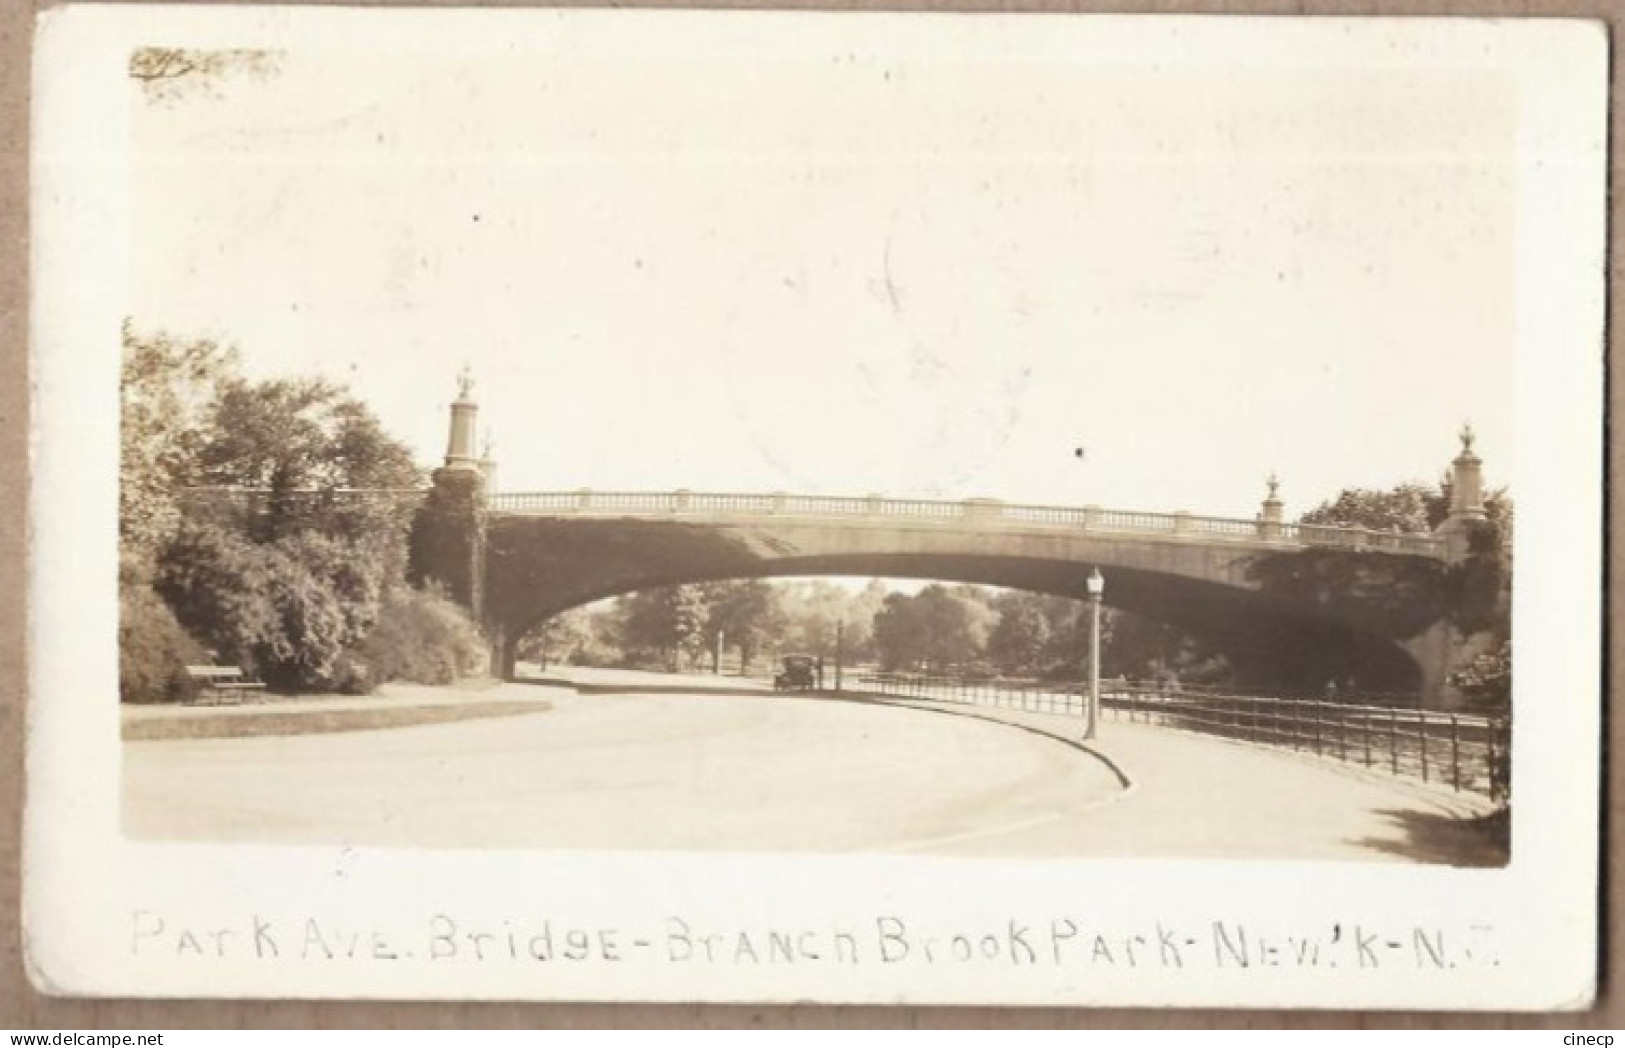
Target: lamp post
[
  {"x": 840, "y": 651},
  {"x": 1097, "y": 585}
]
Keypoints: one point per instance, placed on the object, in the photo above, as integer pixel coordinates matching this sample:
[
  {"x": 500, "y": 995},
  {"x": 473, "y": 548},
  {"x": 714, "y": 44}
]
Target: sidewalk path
[{"x": 1195, "y": 796}]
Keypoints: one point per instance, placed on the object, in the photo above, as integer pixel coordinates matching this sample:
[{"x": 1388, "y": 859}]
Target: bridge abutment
[
  {"x": 448, "y": 541},
  {"x": 1437, "y": 651},
  {"x": 449, "y": 533},
  {"x": 448, "y": 538}
]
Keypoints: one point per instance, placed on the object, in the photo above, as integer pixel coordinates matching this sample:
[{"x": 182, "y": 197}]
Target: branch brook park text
[{"x": 883, "y": 940}]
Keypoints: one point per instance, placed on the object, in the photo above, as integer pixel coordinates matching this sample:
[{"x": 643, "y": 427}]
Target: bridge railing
[
  {"x": 1463, "y": 752},
  {"x": 986, "y": 512}
]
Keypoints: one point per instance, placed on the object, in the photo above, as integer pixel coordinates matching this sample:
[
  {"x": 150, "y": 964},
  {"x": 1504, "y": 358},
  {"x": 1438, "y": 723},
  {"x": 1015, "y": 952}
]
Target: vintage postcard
[{"x": 816, "y": 506}]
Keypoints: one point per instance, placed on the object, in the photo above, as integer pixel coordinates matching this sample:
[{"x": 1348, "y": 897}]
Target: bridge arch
[{"x": 538, "y": 566}]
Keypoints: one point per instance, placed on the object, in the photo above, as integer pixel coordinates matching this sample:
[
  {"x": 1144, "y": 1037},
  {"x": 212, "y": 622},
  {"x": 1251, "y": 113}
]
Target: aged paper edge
[{"x": 21, "y": 1002}]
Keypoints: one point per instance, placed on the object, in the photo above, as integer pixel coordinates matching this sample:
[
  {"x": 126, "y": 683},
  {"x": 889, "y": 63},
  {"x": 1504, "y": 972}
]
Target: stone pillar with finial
[
  {"x": 1466, "y": 498},
  {"x": 464, "y": 415},
  {"x": 448, "y": 533},
  {"x": 1269, "y": 521},
  {"x": 1467, "y": 480}
]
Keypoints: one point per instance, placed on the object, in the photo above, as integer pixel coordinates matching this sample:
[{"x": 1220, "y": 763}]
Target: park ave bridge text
[{"x": 882, "y": 940}]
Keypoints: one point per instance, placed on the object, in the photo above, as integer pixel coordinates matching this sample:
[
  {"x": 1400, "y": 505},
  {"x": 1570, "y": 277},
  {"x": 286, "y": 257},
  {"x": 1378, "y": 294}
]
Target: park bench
[{"x": 221, "y": 685}]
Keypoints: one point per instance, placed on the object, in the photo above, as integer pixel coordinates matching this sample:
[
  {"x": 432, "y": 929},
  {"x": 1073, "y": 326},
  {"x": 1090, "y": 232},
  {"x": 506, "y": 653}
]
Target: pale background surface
[
  {"x": 910, "y": 274},
  {"x": 18, "y": 1001}
]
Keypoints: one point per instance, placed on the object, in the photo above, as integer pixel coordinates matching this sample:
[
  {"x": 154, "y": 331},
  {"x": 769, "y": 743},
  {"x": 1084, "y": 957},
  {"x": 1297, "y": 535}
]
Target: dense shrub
[
  {"x": 1486, "y": 680},
  {"x": 325, "y": 594},
  {"x": 307, "y": 611},
  {"x": 353, "y": 675},
  {"x": 286, "y": 610},
  {"x": 421, "y": 637},
  {"x": 153, "y": 649}
]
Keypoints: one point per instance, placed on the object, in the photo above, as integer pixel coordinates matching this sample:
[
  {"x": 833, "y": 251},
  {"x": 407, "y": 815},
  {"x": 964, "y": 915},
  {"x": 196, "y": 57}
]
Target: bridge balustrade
[
  {"x": 1127, "y": 520},
  {"x": 1222, "y": 526},
  {"x": 708, "y": 503},
  {"x": 1043, "y": 515},
  {"x": 1354, "y": 538},
  {"x": 825, "y": 505},
  {"x": 986, "y": 512},
  {"x": 991, "y": 512},
  {"x": 549, "y": 502}
]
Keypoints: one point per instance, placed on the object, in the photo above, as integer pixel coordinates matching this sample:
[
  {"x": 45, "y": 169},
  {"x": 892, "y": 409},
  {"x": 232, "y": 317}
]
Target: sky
[{"x": 839, "y": 265}]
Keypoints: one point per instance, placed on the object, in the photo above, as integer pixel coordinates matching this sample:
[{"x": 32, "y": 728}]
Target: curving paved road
[
  {"x": 718, "y": 771},
  {"x": 711, "y": 766}
]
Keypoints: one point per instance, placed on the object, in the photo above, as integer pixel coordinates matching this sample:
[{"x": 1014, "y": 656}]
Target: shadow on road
[{"x": 1444, "y": 839}]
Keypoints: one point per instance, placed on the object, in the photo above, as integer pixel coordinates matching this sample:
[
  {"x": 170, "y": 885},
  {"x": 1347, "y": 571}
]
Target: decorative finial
[
  {"x": 465, "y": 383},
  {"x": 1467, "y": 438},
  {"x": 486, "y": 445},
  {"x": 1274, "y": 483}
]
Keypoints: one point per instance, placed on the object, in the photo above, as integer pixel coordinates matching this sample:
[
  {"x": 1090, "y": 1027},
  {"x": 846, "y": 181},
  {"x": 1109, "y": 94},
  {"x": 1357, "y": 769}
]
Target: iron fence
[{"x": 1465, "y": 752}]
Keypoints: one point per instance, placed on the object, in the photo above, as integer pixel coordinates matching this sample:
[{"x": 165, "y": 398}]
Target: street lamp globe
[{"x": 1096, "y": 584}]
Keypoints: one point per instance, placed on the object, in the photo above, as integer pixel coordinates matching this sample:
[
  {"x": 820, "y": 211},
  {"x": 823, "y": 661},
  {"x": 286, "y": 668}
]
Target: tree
[
  {"x": 287, "y": 573},
  {"x": 1411, "y": 507},
  {"x": 166, "y": 387},
  {"x": 665, "y": 625},
  {"x": 322, "y": 461},
  {"x": 299, "y": 434},
  {"x": 746, "y": 613},
  {"x": 1067, "y": 654},
  {"x": 1144, "y": 649},
  {"x": 937, "y": 626},
  {"x": 860, "y": 620},
  {"x": 154, "y": 650},
  {"x": 756, "y": 615},
  {"x": 813, "y": 610},
  {"x": 584, "y": 636},
  {"x": 900, "y": 634},
  {"x": 1486, "y": 679},
  {"x": 1018, "y": 643},
  {"x": 1048, "y": 636},
  {"x": 214, "y": 579}
]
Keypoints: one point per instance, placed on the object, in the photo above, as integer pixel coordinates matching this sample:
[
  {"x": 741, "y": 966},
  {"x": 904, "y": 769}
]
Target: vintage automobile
[{"x": 800, "y": 672}]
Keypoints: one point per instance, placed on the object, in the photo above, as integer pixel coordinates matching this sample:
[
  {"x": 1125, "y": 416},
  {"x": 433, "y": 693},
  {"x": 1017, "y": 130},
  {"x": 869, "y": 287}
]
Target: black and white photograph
[{"x": 819, "y": 506}]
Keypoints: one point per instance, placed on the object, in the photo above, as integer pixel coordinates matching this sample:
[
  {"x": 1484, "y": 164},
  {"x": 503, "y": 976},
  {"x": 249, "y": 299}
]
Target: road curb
[
  {"x": 1124, "y": 779},
  {"x": 239, "y": 724}
]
